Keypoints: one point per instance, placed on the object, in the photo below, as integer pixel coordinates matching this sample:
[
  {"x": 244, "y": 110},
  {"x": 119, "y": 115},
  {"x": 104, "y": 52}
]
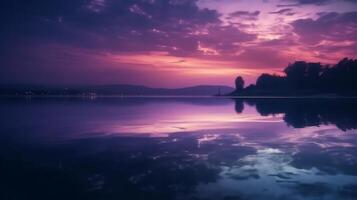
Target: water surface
[{"x": 178, "y": 148}]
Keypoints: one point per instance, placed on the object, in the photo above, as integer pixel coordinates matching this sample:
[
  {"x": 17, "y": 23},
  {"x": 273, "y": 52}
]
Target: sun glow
[{"x": 187, "y": 65}]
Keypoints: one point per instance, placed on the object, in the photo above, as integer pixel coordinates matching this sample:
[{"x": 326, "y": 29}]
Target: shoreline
[{"x": 178, "y": 96}]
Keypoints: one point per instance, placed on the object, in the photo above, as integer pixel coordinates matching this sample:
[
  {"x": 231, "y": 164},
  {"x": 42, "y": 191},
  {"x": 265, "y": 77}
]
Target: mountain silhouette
[{"x": 117, "y": 89}]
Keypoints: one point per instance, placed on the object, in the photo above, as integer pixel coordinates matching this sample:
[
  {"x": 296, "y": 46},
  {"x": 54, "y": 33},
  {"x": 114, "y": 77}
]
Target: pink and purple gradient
[{"x": 170, "y": 43}]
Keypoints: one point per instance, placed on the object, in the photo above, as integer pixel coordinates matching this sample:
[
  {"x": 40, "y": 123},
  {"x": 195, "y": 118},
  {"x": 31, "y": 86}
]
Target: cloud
[
  {"x": 285, "y": 11},
  {"x": 175, "y": 29},
  {"x": 311, "y": 2},
  {"x": 332, "y": 26},
  {"x": 96, "y": 5},
  {"x": 246, "y": 15},
  {"x": 287, "y": 5},
  {"x": 178, "y": 61},
  {"x": 225, "y": 39},
  {"x": 315, "y": 2},
  {"x": 111, "y": 25}
]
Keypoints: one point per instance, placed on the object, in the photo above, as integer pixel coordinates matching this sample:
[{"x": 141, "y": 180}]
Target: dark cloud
[
  {"x": 138, "y": 25},
  {"x": 329, "y": 27},
  {"x": 315, "y": 2},
  {"x": 179, "y": 61},
  {"x": 311, "y": 2},
  {"x": 285, "y": 11},
  {"x": 175, "y": 26},
  {"x": 246, "y": 15}
]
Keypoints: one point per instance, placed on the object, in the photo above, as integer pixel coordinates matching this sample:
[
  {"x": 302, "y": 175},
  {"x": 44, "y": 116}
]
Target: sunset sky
[{"x": 168, "y": 43}]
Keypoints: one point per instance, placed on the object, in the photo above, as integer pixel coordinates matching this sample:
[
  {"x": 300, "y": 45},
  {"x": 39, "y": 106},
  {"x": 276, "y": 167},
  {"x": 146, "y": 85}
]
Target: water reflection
[
  {"x": 300, "y": 113},
  {"x": 178, "y": 149}
]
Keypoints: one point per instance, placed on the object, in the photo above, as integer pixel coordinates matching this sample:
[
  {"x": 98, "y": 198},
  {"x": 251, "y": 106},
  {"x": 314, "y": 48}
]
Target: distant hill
[{"x": 118, "y": 89}]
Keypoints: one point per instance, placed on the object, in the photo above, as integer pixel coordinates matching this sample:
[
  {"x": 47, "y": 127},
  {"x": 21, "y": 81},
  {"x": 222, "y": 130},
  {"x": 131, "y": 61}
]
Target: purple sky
[{"x": 169, "y": 43}]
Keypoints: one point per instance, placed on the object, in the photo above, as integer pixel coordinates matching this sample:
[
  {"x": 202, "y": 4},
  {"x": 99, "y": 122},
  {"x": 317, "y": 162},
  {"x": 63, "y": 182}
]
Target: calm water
[{"x": 203, "y": 148}]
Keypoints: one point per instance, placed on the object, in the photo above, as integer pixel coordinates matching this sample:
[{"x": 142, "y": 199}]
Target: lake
[{"x": 178, "y": 148}]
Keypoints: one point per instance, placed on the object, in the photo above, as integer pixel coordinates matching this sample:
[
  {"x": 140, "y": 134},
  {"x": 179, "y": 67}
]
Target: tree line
[{"x": 305, "y": 78}]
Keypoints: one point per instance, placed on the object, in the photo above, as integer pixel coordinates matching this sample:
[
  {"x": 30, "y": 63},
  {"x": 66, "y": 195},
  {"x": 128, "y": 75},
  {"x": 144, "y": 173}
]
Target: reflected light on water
[{"x": 174, "y": 149}]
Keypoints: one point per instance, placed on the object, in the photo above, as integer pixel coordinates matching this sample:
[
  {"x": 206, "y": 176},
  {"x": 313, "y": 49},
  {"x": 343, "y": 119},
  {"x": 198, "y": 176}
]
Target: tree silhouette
[
  {"x": 267, "y": 81},
  {"x": 306, "y": 78},
  {"x": 239, "y": 82}
]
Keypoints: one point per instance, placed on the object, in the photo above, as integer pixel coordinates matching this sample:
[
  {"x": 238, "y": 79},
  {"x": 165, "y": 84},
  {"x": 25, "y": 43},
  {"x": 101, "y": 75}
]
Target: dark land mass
[
  {"x": 305, "y": 79},
  {"x": 119, "y": 89}
]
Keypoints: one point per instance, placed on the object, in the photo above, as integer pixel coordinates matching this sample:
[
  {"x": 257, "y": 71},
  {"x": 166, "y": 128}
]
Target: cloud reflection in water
[{"x": 175, "y": 149}]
